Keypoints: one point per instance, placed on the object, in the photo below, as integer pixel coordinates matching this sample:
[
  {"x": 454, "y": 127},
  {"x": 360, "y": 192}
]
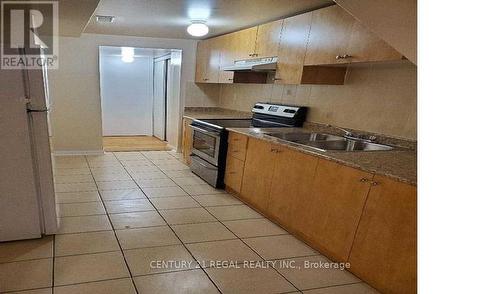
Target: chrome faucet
[
  {"x": 346, "y": 132},
  {"x": 351, "y": 135}
]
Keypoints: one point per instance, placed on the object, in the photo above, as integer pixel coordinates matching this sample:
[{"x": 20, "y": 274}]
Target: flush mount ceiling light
[
  {"x": 197, "y": 29},
  {"x": 104, "y": 18},
  {"x": 127, "y": 54}
]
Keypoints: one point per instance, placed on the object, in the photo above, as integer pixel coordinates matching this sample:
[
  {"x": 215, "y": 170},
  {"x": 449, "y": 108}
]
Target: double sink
[{"x": 328, "y": 142}]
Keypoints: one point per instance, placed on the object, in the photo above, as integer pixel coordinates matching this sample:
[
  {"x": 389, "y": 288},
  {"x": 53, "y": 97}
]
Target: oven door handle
[{"x": 213, "y": 134}]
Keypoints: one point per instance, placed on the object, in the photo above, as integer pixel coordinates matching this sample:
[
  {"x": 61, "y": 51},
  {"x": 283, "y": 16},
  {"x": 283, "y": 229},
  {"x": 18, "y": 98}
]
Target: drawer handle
[
  {"x": 235, "y": 151},
  {"x": 232, "y": 173},
  {"x": 363, "y": 180},
  {"x": 375, "y": 183}
]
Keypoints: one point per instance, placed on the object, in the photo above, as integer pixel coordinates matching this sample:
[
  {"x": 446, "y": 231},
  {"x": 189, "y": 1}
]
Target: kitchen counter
[
  {"x": 400, "y": 164},
  {"x": 214, "y": 113}
]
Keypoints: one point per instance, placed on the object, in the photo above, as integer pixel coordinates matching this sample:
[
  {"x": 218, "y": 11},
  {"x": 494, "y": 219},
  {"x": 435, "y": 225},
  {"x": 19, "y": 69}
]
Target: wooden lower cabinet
[
  {"x": 237, "y": 145},
  {"x": 187, "y": 140},
  {"x": 234, "y": 173},
  {"x": 345, "y": 213},
  {"x": 291, "y": 186},
  {"x": 258, "y": 173},
  {"x": 384, "y": 252},
  {"x": 330, "y": 215}
]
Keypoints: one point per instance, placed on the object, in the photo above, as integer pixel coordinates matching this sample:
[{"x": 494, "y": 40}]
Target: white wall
[
  {"x": 77, "y": 123},
  {"x": 126, "y": 96}
]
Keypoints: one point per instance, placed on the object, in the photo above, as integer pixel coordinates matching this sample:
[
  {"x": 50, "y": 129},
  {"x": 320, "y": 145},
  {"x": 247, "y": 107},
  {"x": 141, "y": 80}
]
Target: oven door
[{"x": 206, "y": 144}]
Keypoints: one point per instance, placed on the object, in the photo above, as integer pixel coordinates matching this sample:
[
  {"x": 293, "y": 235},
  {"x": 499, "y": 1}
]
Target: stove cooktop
[{"x": 229, "y": 123}]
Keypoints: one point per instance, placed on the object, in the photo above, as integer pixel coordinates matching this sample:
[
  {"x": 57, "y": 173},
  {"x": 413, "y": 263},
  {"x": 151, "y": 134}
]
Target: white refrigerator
[{"x": 27, "y": 197}]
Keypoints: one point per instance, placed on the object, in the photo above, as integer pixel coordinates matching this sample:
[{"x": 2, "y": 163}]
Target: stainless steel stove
[{"x": 208, "y": 159}]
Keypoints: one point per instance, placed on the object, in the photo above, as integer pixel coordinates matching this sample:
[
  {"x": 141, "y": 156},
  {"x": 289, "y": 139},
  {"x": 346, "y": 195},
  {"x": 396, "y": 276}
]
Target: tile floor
[{"x": 125, "y": 215}]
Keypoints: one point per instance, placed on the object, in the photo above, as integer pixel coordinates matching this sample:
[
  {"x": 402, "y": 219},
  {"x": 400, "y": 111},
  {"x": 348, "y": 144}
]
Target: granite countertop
[
  {"x": 213, "y": 113},
  {"x": 399, "y": 164}
]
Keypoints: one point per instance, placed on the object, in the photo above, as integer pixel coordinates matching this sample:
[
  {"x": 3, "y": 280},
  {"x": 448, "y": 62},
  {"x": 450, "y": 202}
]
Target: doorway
[{"x": 134, "y": 85}]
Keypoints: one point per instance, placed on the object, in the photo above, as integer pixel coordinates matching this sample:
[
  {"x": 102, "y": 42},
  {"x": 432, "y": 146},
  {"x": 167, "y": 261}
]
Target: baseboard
[{"x": 77, "y": 152}]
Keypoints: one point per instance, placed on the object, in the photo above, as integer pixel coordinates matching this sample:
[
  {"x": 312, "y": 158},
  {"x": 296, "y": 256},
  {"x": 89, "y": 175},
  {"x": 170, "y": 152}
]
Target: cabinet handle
[
  {"x": 205, "y": 79},
  {"x": 277, "y": 79},
  {"x": 230, "y": 79},
  {"x": 363, "y": 180},
  {"x": 375, "y": 183},
  {"x": 343, "y": 56}
]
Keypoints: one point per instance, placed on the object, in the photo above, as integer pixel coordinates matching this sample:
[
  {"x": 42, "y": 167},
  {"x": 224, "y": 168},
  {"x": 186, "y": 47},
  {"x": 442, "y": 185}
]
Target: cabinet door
[
  {"x": 237, "y": 145},
  {"x": 244, "y": 43},
  {"x": 384, "y": 252},
  {"x": 258, "y": 173},
  {"x": 213, "y": 60},
  {"x": 202, "y": 55},
  {"x": 330, "y": 33},
  {"x": 292, "y": 48},
  {"x": 227, "y": 57},
  {"x": 330, "y": 215},
  {"x": 234, "y": 173},
  {"x": 364, "y": 46},
  {"x": 268, "y": 39},
  {"x": 187, "y": 140},
  {"x": 291, "y": 185}
]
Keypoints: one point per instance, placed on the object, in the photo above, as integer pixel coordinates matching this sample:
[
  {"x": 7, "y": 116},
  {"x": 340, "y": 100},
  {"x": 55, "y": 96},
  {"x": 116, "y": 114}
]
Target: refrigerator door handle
[{"x": 38, "y": 110}]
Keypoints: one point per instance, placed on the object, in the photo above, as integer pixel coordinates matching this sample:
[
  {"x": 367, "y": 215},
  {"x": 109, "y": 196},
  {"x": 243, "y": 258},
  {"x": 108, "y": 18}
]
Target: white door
[{"x": 159, "y": 97}]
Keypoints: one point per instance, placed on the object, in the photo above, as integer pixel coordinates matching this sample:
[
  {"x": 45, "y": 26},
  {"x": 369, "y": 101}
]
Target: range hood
[{"x": 258, "y": 64}]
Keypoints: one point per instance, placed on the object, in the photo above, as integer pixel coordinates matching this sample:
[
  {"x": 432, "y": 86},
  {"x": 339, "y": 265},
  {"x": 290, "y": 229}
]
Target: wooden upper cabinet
[
  {"x": 227, "y": 57},
  {"x": 384, "y": 253},
  {"x": 243, "y": 43},
  {"x": 336, "y": 37},
  {"x": 208, "y": 61},
  {"x": 213, "y": 63},
  {"x": 291, "y": 185},
  {"x": 330, "y": 33},
  {"x": 292, "y": 48},
  {"x": 268, "y": 39},
  {"x": 258, "y": 173},
  {"x": 202, "y": 55},
  {"x": 365, "y": 46},
  {"x": 330, "y": 215}
]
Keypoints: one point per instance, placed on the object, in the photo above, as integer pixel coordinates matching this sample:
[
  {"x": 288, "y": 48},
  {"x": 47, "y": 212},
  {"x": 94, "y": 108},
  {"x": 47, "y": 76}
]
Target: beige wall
[
  {"x": 74, "y": 87},
  {"x": 378, "y": 98},
  {"x": 202, "y": 95}
]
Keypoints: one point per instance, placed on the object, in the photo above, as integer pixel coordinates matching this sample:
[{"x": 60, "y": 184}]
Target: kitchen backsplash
[{"x": 377, "y": 98}]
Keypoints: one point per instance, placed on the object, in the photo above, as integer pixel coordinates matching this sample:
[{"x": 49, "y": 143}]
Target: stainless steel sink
[
  {"x": 303, "y": 136},
  {"x": 328, "y": 142},
  {"x": 346, "y": 145}
]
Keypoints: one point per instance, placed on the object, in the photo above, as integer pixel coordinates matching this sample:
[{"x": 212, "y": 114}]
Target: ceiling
[
  {"x": 141, "y": 52},
  {"x": 169, "y": 18},
  {"x": 73, "y": 15}
]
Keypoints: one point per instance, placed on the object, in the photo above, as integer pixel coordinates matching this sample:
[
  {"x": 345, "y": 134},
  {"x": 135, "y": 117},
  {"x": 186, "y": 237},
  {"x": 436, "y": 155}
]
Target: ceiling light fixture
[
  {"x": 197, "y": 28},
  {"x": 104, "y": 18},
  {"x": 127, "y": 54}
]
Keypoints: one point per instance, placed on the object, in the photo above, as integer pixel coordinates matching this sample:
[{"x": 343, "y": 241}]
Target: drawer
[
  {"x": 234, "y": 173},
  {"x": 237, "y": 146}
]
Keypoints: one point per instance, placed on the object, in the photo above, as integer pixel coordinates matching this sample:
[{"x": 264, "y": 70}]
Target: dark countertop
[
  {"x": 213, "y": 113},
  {"x": 400, "y": 164}
]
